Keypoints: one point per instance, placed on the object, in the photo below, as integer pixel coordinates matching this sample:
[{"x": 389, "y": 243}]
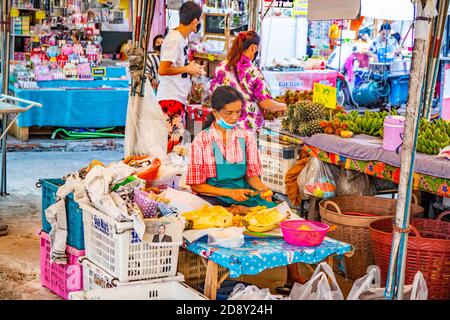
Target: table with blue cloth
[
  {"x": 258, "y": 254},
  {"x": 76, "y": 103}
]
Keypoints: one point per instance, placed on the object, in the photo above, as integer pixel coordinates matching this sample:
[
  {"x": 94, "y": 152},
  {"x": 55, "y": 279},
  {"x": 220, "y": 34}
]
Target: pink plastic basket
[
  {"x": 61, "y": 278},
  {"x": 305, "y": 238}
]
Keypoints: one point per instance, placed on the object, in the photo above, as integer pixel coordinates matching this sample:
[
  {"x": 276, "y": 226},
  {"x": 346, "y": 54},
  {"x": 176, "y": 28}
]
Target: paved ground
[{"x": 21, "y": 210}]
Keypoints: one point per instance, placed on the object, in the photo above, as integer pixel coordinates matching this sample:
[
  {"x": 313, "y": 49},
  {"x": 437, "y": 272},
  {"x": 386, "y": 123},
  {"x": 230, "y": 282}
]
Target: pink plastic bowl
[{"x": 304, "y": 238}]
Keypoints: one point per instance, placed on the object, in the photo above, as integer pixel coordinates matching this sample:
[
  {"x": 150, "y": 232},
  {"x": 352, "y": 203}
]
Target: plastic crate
[
  {"x": 116, "y": 248},
  {"x": 60, "y": 278},
  {"x": 95, "y": 277},
  {"x": 274, "y": 171},
  {"x": 171, "y": 290},
  {"x": 75, "y": 232}
]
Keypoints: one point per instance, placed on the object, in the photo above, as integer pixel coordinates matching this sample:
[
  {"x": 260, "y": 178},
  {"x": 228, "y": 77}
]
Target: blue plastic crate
[
  {"x": 399, "y": 90},
  {"x": 75, "y": 231}
]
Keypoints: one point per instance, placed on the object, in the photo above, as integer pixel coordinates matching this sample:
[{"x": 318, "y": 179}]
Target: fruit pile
[
  {"x": 371, "y": 123},
  {"x": 337, "y": 127},
  {"x": 433, "y": 136},
  {"x": 260, "y": 219},
  {"x": 292, "y": 97},
  {"x": 304, "y": 118}
]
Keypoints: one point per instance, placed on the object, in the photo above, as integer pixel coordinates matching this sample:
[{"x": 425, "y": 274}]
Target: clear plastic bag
[
  {"x": 318, "y": 288},
  {"x": 242, "y": 292},
  {"x": 227, "y": 238},
  {"x": 199, "y": 90},
  {"x": 317, "y": 180}
]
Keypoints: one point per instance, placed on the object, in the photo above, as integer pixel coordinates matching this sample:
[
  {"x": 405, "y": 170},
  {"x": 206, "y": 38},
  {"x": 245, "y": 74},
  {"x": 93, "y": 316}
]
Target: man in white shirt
[{"x": 175, "y": 71}]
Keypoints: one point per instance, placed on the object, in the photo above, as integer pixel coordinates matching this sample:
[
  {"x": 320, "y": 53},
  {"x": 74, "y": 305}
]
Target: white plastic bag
[
  {"x": 368, "y": 287},
  {"x": 241, "y": 292},
  {"x": 232, "y": 237},
  {"x": 184, "y": 201},
  {"x": 318, "y": 288},
  {"x": 146, "y": 130},
  {"x": 317, "y": 180}
]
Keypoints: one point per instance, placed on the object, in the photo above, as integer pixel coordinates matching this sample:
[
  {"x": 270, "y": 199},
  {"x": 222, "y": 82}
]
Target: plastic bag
[
  {"x": 146, "y": 130},
  {"x": 242, "y": 292},
  {"x": 199, "y": 91},
  {"x": 350, "y": 183},
  {"x": 368, "y": 287},
  {"x": 318, "y": 288},
  {"x": 232, "y": 237},
  {"x": 317, "y": 180}
]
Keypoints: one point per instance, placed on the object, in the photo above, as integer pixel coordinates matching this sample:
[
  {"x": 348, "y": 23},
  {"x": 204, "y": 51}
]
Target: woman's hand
[
  {"x": 239, "y": 195},
  {"x": 266, "y": 195}
]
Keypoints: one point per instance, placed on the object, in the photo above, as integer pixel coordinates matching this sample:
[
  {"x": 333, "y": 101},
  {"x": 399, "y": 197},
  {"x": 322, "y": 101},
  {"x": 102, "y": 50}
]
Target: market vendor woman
[
  {"x": 239, "y": 72},
  {"x": 224, "y": 167}
]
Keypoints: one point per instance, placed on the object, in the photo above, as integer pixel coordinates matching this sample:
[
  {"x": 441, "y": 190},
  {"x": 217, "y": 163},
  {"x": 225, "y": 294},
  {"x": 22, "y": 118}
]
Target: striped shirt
[{"x": 152, "y": 67}]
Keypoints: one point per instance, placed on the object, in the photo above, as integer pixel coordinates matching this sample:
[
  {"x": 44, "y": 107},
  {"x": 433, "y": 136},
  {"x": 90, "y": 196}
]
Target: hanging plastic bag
[
  {"x": 242, "y": 292},
  {"x": 317, "y": 180},
  {"x": 232, "y": 237},
  {"x": 368, "y": 287},
  {"x": 146, "y": 130},
  {"x": 318, "y": 288},
  {"x": 199, "y": 90}
]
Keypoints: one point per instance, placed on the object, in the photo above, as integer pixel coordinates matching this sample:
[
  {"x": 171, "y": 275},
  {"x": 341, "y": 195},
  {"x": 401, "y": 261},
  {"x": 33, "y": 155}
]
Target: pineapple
[{"x": 312, "y": 111}]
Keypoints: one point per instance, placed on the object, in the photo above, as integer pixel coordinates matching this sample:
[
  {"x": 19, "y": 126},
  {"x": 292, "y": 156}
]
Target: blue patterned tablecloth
[{"x": 260, "y": 254}]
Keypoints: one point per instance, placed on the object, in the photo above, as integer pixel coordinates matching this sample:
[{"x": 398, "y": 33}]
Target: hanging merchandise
[{"x": 317, "y": 180}]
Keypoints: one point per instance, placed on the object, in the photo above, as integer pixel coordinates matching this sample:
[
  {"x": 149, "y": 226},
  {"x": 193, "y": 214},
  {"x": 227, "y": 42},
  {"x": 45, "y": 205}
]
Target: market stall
[{"x": 69, "y": 53}]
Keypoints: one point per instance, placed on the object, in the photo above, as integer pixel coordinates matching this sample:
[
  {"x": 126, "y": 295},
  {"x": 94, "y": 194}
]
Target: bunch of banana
[
  {"x": 371, "y": 123},
  {"x": 433, "y": 136},
  {"x": 261, "y": 219},
  {"x": 209, "y": 217}
]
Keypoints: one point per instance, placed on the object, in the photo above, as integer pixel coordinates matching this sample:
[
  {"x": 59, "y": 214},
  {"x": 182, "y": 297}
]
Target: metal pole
[{"x": 5, "y": 31}]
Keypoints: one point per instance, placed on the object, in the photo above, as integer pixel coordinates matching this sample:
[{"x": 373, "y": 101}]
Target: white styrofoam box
[
  {"x": 170, "y": 290},
  {"x": 274, "y": 171},
  {"x": 95, "y": 277},
  {"x": 116, "y": 248}
]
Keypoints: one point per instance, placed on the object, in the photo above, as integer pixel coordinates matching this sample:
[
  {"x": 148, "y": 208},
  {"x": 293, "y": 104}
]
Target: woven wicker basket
[
  {"x": 428, "y": 251},
  {"x": 194, "y": 269},
  {"x": 355, "y": 229}
]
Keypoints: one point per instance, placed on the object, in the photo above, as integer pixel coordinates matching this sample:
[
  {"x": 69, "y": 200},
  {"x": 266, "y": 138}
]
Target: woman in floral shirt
[{"x": 239, "y": 72}]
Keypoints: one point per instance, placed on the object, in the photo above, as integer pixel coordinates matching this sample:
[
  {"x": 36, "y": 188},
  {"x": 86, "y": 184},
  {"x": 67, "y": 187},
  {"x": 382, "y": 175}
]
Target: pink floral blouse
[{"x": 250, "y": 83}]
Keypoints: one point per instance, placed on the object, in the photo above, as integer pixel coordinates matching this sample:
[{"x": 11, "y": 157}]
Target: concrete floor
[{"x": 21, "y": 210}]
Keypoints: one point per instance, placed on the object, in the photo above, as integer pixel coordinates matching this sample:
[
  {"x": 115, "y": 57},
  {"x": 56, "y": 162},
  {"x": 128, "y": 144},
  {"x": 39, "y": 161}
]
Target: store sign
[
  {"x": 99, "y": 72},
  {"x": 40, "y": 15},
  {"x": 287, "y": 4},
  {"x": 14, "y": 13},
  {"x": 300, "y": 7},
  {"x": 325, "y": 94}
]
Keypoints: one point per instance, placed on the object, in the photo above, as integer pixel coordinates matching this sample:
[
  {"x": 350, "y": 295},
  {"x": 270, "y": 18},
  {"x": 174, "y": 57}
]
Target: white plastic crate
[
  {"x": 116, "y": 248},
  {"x": 171, "y": 290},
  {"x": 95, "y": 277},
  {"x": 274, "y": 171}
]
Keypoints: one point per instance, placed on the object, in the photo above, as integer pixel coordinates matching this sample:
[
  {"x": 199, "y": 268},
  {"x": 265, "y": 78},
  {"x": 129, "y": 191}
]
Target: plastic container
[
  {"x": 75, "y": 230},
  {"x": 163, "y": 184},
  {"x": 399, "y": 90},
  {"x": 116, "y": 248},
  {"x": 393, "y": 132},
  {"x": 151, "y": 173},
  {"x": 305, "y": 238},
  {"x": 95, "y": 277},
  {"x": 60, "y": 278},
  {"x": 171, "y": 290}
]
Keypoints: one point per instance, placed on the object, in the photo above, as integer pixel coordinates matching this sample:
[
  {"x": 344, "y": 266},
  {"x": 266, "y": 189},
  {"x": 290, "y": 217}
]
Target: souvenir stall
[{"x": 63, "y": 53}]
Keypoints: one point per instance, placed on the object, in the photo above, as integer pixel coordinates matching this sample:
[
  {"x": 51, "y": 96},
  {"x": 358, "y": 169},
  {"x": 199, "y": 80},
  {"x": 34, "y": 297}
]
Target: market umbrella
[{"x": 145, "y": 130}]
